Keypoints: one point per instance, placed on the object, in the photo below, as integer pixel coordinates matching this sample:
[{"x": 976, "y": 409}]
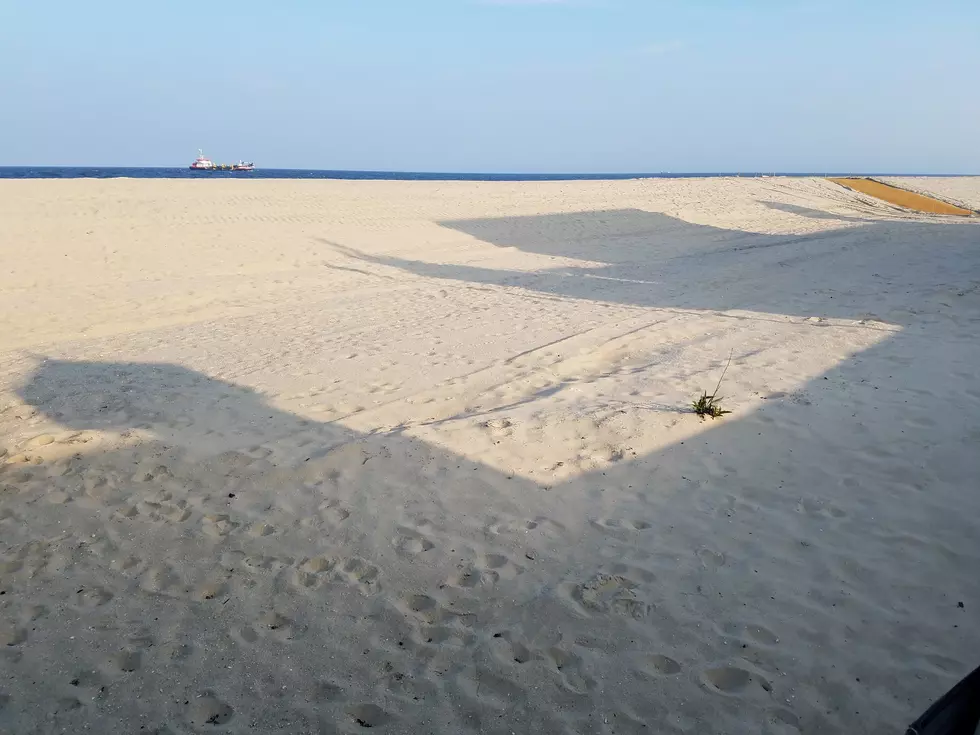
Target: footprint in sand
[
  {"x": 58, "y": 497},
  {"x": 486, "y": 572},
  {"x": 125, "y": 662},
  {"x": 711, "y": 559},
  {"x": 405, "y": 686},
  {"x": 423, "y": 607},
  {"x": 211, "y": 591},
  {"x": 88, "y": 598},
  {"x": 159, "y": 578},
  {"x": 34, "y": 612},
  {"x": 207, "y": 709},
  {"x": 943, "y": 664},
  {"x": 127, "y": 513},
  {"x": 508, "y": 650},
  {"x": 105, "y": 491},
  {"x": 443, "y": 635},
  {"x": 41, "y": 440},
  {"x": 616, "y": 524},
  {"x": 408, "y": 542},
  {"x": 469, "y": 577},
  {"x": 732, "y": 680},
  {"x": 11, "y": 635},
  {"x": 659, "y": 665},
  {"x": 66, "y": 704},
  {"x": 246, "y": 634},
  {"x": 175, "y": 651},
  {"x": 333, "y": 512},
  {"x": 486, "y": 689},
  {"x": 571, "y": 669},
  {"x": 784, "y": 717},
  {"x": 360, "y": 574},
  {"x": 87, "y": 679},
  {"x": 500, "y": 565},
  {"x": 160, "y": 472},
  {"x": 498, "y": 428},
  {"x": 753, "y": 633},
  {"x": 269, "y": 623},
  {"x": 261, "y": 563},
  {"x": 318, "y": 565},
  {"x": 539, "y": 526},
  {"x": 218, "y": 525},
  {"x": 310, "y": 570},
  {"x": 261, "y": 529},
  {"x": 271, "y": 620},
  {"x": 609, "y": 593},
  {"x": 325, "y": 691},
  {"x": 305, "y": 579},
  {"x": 819, "y": 509},
  {"x": 368, "y": 715},
  {"x": 429, "y": 611},
  {"x": 762, "y": 635}
]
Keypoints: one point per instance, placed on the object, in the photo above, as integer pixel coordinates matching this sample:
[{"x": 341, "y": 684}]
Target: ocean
[{"x": 95, "y": 172}]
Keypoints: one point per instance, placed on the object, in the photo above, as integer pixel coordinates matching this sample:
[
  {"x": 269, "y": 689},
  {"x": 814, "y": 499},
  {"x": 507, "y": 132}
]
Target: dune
[{"x": 418, "y": 457}]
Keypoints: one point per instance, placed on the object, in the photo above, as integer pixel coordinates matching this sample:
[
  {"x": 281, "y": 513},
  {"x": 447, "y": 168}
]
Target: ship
[{"x": 202, "y": 163}]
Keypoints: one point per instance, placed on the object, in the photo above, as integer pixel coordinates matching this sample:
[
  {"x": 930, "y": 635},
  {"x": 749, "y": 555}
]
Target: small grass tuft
[{"x": 710, "y": 405}]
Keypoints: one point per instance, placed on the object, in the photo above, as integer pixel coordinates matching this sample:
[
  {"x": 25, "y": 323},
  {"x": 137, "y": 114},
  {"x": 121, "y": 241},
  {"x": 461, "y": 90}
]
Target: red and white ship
[{"x": 201, "y": 163}]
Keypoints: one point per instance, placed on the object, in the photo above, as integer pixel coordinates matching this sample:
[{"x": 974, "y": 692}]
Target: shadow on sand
[
  {"x": 238, "y": 565},
  {"x": 654, "y": 260}
]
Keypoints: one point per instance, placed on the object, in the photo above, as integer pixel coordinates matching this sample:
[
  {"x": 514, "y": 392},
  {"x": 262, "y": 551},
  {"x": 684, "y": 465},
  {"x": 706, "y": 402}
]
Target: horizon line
[{"x": 551, "y": 174}]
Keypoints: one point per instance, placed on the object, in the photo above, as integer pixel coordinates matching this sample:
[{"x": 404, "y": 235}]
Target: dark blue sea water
[{"x": 69, "y": 172}]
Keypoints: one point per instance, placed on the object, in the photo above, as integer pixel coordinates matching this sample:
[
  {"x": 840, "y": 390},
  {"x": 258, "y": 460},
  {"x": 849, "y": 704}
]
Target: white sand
[
  {"x": 290, "y": 457},
  {"x": 963, "y": 191}
]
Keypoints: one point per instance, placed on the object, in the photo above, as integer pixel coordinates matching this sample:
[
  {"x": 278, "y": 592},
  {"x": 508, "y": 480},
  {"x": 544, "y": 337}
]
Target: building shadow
[
  {"x": 816, "y": 214},
  {"x": 654, "y": 260}
]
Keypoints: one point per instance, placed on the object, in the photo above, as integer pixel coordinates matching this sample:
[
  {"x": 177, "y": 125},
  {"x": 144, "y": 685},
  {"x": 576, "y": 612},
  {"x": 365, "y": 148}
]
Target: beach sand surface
[{"x": 417, "y": 457}]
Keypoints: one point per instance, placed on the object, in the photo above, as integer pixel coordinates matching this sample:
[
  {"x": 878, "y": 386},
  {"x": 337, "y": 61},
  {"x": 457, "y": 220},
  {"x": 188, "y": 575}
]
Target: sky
[{"x": 864, "y": 86}]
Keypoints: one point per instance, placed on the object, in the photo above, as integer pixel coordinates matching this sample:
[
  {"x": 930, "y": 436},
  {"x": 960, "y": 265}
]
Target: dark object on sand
[
  {"x": 711, "y": 405},
  {"x": 957, "y": 713}
]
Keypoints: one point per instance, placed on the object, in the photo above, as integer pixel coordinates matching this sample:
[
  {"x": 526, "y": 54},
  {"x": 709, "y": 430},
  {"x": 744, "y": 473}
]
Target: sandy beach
[{"x": 418, "y": 457}]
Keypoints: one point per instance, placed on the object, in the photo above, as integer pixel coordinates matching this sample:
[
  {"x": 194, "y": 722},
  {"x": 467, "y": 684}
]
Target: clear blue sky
[{"x": 494, "y": 85}]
